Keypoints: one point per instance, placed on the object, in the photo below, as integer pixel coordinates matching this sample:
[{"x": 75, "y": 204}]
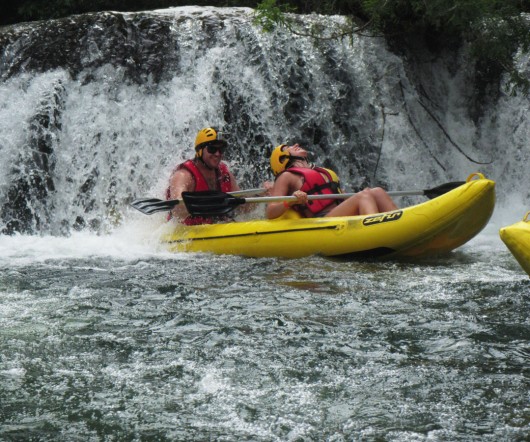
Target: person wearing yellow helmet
[
  {"x": 206, "y": 171},
  {"x": 210, "y": 139},
  {"x": 296, "y": 176},
  {"x": 282, "y": 158}
]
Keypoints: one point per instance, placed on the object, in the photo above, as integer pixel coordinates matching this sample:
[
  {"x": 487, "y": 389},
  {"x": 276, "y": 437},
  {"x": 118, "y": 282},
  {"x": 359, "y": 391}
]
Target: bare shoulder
[
  {"x": 291, "y": 179},
  {"x": 181, "y": 181},
  {"x": 286, "y": 184},
  {"x": 181, "y": 175}
]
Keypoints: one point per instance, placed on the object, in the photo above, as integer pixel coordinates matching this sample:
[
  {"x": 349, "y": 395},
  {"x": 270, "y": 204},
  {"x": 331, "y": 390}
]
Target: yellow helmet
[
  {"x": 279, "y": 159},
  {"x": 208, "y": 135}
]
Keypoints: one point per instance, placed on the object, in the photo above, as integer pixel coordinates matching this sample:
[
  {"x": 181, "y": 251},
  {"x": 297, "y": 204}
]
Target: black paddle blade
[
  {"x": 441, "y": 190},
  {"x": 153, "y": 205},
  {"x": 210, "y": 203}
]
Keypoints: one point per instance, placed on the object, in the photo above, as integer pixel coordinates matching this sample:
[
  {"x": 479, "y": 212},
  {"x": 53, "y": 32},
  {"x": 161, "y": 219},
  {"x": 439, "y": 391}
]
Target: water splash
[{"x": 105, "y": 112}]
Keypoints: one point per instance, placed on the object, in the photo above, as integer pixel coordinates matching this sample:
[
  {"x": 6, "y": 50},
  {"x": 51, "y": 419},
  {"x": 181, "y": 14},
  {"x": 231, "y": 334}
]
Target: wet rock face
[
  {"x": 34, "y": 169},
  {"x": 144, "y": 47},
  {"x": 141, "y": 47}
]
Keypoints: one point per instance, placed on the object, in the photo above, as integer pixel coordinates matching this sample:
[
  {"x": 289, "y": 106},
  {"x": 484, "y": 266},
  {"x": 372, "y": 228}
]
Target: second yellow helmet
[{"x": 279, "y": 159}]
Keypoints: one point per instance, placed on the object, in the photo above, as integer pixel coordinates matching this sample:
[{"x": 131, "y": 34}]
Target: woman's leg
[
  {"x": 362, "y": 203},
  {"x": 366, "y": 202},
  {"x": 383, "y": 200}
]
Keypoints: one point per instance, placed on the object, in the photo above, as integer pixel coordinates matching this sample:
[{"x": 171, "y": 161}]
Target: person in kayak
[
  {"x": 206, "y": 171},
  {"x": 294, "y": 175}
]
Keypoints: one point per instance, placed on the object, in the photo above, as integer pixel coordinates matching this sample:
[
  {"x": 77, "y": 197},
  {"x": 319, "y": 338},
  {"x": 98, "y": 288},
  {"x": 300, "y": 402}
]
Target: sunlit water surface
[{"x": 104, "y": 338}]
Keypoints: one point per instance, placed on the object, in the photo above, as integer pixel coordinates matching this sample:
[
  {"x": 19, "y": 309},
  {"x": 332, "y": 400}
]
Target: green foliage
[
  {"x": 441, "y": 16},
  {"x": 496, "y": 41},
  {"x": 495, "y": 29},
  {"x": 269, "y": 14}
]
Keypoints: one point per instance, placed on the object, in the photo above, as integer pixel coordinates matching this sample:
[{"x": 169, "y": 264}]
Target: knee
[
  {"x": 366, "y": 191},
  {"x": 378, "y": 192},
  {"x": 366, "y": 196}
]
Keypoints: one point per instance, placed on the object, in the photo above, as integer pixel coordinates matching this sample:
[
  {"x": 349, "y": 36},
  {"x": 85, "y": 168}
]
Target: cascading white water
[{"x": 92, "y": 121}]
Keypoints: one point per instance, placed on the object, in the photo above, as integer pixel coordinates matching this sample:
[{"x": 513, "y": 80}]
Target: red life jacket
[
  {"x": 316, "y": 184},
  {"x": 223, "y": 182}
]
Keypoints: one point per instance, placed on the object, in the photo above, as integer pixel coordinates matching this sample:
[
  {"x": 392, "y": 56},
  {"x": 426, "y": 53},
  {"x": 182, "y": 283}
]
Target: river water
[
  {"x": 112, "y": 338},
  {"x": 105, "y": 336}
]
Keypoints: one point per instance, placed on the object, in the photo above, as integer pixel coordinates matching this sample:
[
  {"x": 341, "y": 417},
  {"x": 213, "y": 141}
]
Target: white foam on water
[{"x": 135, "y": 240}]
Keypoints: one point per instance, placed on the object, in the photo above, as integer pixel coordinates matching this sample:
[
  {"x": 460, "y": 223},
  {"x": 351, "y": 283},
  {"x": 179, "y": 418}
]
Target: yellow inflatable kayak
[
  {"x": 517, "y": 239},
  {"x": 433, "y": 227}
]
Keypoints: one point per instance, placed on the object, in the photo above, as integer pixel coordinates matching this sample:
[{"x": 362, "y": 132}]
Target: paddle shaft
[
  {"x": 336, "y": 196},
  {"x": 212, "y": 203},
  {"x": 219, "y": 203}
]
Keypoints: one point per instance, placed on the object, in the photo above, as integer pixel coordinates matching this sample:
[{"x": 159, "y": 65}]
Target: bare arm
[
  {"x": 181, "y": 181},
  {"x": 286, "y": 184}
]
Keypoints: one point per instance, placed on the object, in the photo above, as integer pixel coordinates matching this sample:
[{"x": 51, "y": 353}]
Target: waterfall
[{"x": 97, "y": 109}]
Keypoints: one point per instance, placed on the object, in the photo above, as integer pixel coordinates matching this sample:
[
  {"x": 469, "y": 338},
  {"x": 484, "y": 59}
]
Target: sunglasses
[{"x": 214, "y": 148}]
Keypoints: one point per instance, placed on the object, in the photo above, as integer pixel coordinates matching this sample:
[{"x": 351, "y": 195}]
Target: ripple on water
[{"x": 227, "y": 348}]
